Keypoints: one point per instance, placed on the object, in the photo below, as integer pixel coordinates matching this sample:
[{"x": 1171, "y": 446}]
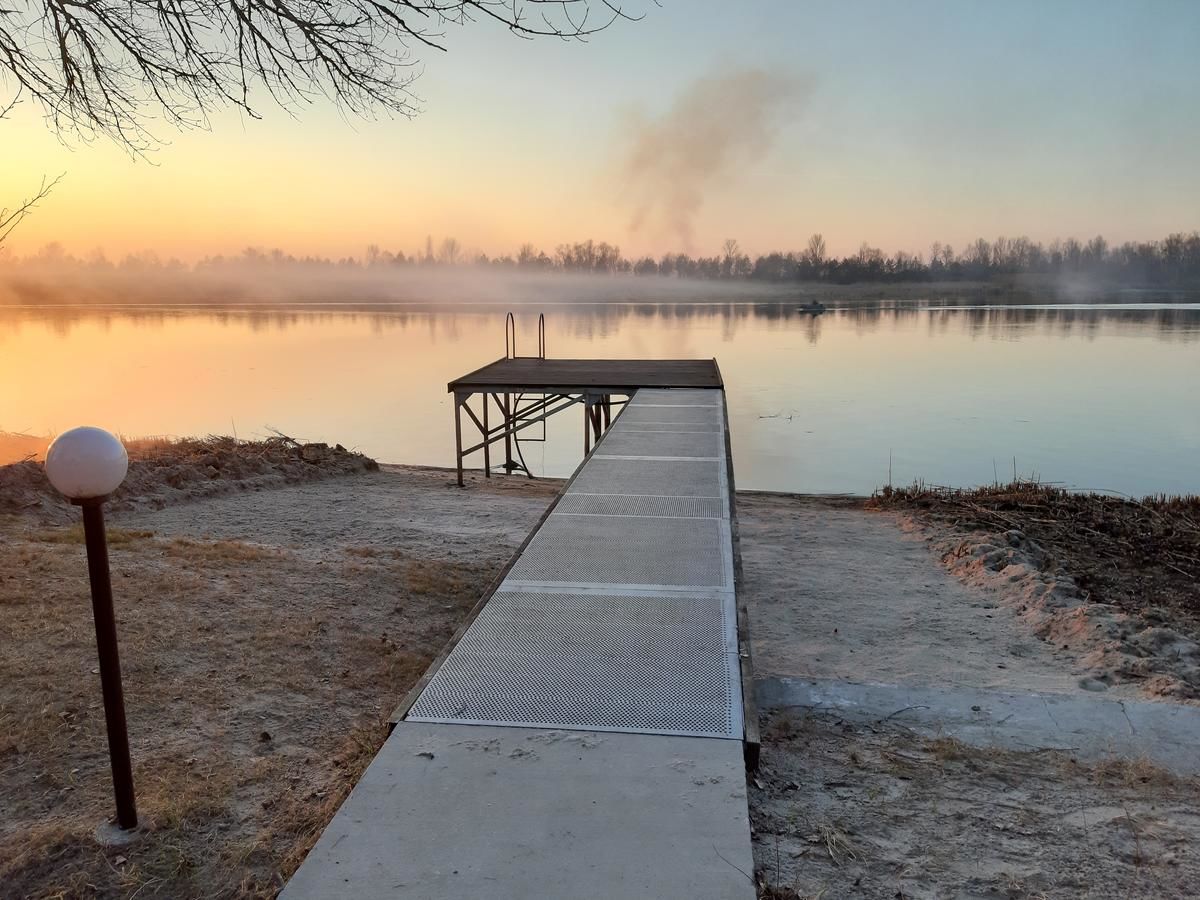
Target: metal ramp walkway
[
  {"x": 583, "y": 736},
  {"x": 620, "y": 613}
]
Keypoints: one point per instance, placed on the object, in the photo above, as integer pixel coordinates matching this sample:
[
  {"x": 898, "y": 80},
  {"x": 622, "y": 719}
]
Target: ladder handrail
[{"x": 510, "y": 338}]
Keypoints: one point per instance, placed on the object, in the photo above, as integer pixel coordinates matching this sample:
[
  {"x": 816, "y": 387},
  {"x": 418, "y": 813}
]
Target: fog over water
[{"x": 1090, "y": 395}]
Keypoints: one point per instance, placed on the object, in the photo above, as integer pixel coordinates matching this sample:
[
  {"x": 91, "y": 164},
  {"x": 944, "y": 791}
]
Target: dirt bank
[
  {"x": 1113, "y": 581},
  {"x": 166, "y": 471}
]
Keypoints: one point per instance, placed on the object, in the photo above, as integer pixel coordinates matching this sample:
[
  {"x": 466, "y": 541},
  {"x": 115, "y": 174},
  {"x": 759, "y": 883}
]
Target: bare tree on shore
[
  {"x": 1172, "y": 262},
  {"x": 815, "y": 254},
  {"x": 106, "y": 67},
  {"x": 730, "y": 251},
  {"x": 449, "y": 252}
]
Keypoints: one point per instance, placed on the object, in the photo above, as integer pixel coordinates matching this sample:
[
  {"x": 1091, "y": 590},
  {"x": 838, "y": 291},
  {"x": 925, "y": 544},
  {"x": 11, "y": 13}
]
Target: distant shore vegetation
[{"x": 1170, "y": 263}]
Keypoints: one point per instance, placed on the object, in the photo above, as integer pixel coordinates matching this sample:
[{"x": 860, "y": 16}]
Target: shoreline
[{"x": 34, "y": 283}]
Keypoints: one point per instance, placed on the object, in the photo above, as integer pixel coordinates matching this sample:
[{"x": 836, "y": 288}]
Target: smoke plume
[{"x": 716, "y": 126}]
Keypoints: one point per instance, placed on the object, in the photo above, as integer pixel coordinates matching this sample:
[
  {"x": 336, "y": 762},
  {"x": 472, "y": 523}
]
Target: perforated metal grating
[
  {"x": 672, "y": 696},
  {"x": 628, "y": 551},
  {"x": 618, "y": 663},
  {"x": 668, "y": 444},
  {"x": 674, "y": 478},
  {"x": 674, "y": 415},
  {"x": 625, "y": 505},
  {"x": 603, "y": 624},
  {"x": 620, "y": 613},
  {"x": 666, "y": 427},
  {"x": 681, "y": 397}
]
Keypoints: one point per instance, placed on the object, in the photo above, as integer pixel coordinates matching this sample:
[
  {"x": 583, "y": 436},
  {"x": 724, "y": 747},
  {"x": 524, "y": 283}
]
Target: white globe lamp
[{"x": 86, "y": 463}]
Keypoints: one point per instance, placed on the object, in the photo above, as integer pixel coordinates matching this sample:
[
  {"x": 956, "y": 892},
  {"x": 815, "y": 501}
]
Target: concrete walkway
[
  {"x": 447, "y": 812},
  {"x": 583, "y": 739}
]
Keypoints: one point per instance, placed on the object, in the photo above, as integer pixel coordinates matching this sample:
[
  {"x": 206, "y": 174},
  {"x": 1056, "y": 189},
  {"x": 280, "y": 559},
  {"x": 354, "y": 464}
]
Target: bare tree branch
[
  {"x": 110, "y": 67},
  {"x": 10, "y": 219}
]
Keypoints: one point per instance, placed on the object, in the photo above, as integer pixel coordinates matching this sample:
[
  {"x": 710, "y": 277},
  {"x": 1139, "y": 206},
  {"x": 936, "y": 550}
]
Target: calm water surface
[{"x": 1104, "y": 396}]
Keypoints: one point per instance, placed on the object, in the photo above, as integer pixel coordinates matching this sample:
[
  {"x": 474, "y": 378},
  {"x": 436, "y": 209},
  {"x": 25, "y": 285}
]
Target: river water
[{"x": 1102, "y": 396}]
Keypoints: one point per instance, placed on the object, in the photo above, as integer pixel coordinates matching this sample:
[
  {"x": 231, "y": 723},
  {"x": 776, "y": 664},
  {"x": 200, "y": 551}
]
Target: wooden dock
[{"x": 541, "y": 754}]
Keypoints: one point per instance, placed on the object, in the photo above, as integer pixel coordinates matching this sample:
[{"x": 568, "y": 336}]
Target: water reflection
[
  {"x": 1180, "y": 321},
  {"x": 1092, "y": 395}
]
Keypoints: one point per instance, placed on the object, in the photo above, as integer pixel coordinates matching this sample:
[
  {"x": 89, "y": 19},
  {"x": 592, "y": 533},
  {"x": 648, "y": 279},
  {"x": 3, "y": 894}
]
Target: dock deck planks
[{"x": 615, "y": 375}]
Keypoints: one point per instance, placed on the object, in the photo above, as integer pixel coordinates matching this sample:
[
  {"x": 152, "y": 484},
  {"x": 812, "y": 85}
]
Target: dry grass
[
  {"x": 188, "y": 809},
  {"x": 437, "y": 579},
  {"x": 187, "y": 548},
  {"x": 375, "y": 552},
  {"x": 219, "y": 551},
  {"x": 837, "y": 844},
  {"x": 946, "y": 749},
  {"x": 1133, "y": 773},
  {"x": 73, "y": 534},
  {"x": 15, "y": 446},
  {"x": 258, "y": 681},
  {"x": 1114, "y": 771},
  {"x": 176, "y": 798}
]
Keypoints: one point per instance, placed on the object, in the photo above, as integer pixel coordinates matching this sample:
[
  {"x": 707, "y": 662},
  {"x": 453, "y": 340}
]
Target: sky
[{"x": 907, "y": 123}]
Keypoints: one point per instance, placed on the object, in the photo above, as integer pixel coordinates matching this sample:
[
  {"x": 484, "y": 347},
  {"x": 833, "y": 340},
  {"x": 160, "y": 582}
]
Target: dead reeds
[{"x": 1132, "y": 553}]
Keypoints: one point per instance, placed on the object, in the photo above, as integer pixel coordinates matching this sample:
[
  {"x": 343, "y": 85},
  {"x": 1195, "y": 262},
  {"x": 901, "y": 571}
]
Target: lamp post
[{"x": 86, "y": 465}]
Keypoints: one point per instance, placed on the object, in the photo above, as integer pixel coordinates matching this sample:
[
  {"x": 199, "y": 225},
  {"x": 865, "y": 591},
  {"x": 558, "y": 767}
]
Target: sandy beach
[{"x": 269, "y": 625}]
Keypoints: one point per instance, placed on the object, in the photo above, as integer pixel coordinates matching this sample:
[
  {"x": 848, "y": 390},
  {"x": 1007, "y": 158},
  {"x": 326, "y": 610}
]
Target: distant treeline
[{"x": 1172, "y": 261}]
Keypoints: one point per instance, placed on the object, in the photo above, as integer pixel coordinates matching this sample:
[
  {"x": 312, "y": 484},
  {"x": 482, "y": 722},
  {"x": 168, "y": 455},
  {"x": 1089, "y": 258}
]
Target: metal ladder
[
  {"x": 510, "y": 338},
  {"x": 513, "y": 403}
]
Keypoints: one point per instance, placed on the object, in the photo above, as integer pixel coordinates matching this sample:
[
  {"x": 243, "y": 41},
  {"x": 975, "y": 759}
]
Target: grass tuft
[
  {"x": 73, "y": 534},
  {"x": 219, "y": 551}
]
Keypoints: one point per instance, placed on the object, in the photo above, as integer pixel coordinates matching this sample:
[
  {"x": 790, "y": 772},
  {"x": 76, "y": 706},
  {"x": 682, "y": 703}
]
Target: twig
[
  {"x": 906, "y": 709},
  {"x": 731, "y": 865}
]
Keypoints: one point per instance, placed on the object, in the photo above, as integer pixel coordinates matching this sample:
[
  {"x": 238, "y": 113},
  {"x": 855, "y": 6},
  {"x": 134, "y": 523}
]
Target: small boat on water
[{"x": 815, "y": 308}]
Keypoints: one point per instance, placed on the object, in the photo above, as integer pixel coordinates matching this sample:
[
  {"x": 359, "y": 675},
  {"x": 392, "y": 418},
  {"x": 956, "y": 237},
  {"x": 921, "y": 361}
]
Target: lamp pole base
[{"x": 110, "y": 834}]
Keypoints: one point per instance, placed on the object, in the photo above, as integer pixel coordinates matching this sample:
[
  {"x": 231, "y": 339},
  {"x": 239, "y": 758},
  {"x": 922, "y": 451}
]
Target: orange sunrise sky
[{"x": 939, "y": 122}]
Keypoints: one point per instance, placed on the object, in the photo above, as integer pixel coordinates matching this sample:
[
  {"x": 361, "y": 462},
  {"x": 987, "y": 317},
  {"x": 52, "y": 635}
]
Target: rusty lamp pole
[{"x": 86, "y": 465}]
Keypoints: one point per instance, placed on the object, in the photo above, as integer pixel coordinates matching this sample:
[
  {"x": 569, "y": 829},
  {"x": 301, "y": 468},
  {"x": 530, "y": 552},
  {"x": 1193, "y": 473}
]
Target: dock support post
[
  {"x": 508, "y": 460},
  {"x": 607, "y": 406},
  {"x": 487, "y": 438},
  {"x": 458, "y": 454},
  {"x": 587, "y": 424},
  {"x": 595, "y": 416}
]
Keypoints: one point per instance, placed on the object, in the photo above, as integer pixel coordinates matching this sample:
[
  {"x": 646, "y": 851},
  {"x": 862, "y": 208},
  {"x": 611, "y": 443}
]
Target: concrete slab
[
  {"x": 454, "y": 811},
  {"x": 1089, "y": 727}
]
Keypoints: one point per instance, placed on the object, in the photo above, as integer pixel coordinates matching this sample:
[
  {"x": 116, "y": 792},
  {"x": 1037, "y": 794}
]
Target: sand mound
[
  {"x": 165, "y": 472},
  {"x": 1114, "y": 645}
]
